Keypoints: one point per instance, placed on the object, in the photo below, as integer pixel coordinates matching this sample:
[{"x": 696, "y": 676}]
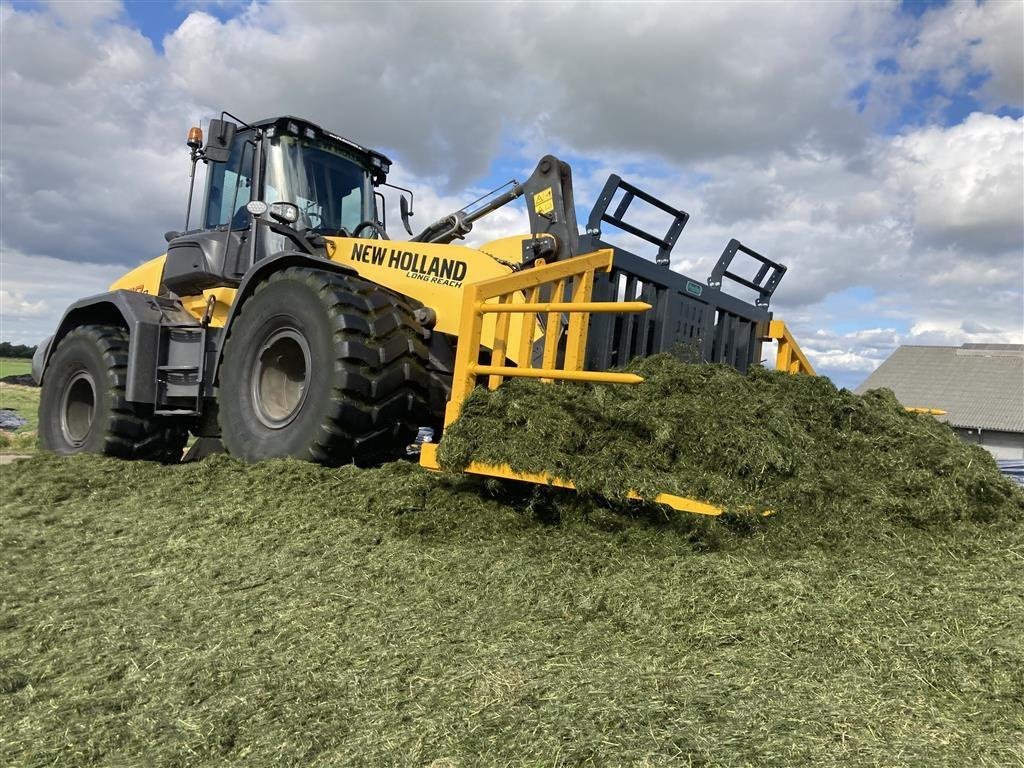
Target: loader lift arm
[{"x": 550, "y": 205}]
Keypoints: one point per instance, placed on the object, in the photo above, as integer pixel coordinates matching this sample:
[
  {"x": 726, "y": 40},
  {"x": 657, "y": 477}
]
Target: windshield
[{"x": 315, "y": 175}]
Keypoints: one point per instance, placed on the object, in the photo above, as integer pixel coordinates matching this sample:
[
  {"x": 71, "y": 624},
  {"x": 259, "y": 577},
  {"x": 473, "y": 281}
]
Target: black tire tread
[
  {"x": 381, "y": 384},
  {"x": 131, "y": 431}
]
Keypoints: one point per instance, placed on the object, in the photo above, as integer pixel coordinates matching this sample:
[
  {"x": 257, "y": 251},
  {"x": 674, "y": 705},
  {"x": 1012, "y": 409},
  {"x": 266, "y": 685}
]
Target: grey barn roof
[{"x": 980, "y": 386}]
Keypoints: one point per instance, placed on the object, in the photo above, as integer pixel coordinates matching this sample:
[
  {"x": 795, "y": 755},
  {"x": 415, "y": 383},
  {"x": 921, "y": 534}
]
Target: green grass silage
[
  {"x": 288, "y": 614},
  {"x": 768, "y": 440}
]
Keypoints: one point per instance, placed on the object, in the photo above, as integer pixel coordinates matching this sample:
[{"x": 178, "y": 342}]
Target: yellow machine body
[
  {"x": 431, "y": 273},
  {"x": 145, "y": 278}
]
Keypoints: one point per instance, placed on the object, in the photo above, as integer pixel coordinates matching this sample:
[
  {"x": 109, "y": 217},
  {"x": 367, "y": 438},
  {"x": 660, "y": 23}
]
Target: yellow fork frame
[
  {"x": 790, "y": 358},
  {"x": 519, "y": 294}
]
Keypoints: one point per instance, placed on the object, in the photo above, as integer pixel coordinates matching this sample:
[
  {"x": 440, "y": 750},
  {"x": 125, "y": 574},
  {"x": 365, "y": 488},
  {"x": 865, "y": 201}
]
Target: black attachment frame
[
  {"x": 688, "y": 317},
  {"x": 765, "y": 281},
  {"x": 600, "y": 214}
]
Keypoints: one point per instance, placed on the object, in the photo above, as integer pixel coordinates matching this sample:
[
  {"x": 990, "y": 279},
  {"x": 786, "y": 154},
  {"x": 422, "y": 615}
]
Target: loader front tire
[
  {"x": 83, "y": 408},
  {"x": 323, "y": 367}
]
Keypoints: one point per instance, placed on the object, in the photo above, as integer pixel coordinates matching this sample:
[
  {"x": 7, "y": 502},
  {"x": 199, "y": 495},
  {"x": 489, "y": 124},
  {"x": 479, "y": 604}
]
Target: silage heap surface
[
  {"x": 284, "y": 613},
  {"x": 793, "y": 444}
]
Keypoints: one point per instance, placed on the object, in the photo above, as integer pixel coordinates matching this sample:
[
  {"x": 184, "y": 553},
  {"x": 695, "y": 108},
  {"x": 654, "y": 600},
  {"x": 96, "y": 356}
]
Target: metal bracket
[
  {"x": 765, "y": 281},
  {"x": 600, "y": 214},
  {"x": 540, "y": 247}
]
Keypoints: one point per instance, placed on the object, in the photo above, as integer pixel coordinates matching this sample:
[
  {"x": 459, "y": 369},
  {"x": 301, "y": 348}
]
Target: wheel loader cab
[{"x": 328, "y": 179}]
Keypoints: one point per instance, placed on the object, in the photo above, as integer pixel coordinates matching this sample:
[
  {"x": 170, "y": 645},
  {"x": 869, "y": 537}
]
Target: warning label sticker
[{"x": 543, "y": 202}]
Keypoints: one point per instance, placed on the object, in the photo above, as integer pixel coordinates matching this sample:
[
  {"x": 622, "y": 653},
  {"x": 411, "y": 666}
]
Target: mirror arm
[
  {"x": 196, "y": 153},
  {"x": 237, "y": 119},
  {"x": 289, "y": 233}
]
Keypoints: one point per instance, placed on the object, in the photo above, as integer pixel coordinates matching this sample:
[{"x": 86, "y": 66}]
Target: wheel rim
[
  {"x": 77, "y": 408},
  {"x": 279, "y": 377}
]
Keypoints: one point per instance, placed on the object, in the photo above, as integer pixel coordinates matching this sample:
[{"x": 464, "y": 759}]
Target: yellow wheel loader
[{"x": 289, "y": 324}]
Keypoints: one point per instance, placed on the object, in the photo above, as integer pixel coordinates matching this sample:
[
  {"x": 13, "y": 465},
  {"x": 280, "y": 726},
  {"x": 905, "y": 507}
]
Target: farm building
[{"x": 980, "y": 386}]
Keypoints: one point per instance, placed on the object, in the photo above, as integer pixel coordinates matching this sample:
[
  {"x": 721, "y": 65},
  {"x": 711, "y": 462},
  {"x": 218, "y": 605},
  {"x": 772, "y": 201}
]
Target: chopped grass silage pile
[
  {"x": 288, "y": 614},
  {"x": 768, "y": 440}
]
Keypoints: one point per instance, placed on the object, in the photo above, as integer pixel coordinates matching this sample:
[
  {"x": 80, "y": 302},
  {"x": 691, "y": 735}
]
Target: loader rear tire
[
  {"x": 83, "y": 408},
  {"x": 323, "y": 367}
]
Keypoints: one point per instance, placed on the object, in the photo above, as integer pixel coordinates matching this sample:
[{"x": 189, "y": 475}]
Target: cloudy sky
[{"x": 876, "y": 148}]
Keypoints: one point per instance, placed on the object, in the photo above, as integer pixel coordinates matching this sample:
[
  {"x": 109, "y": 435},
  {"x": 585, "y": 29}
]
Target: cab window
[{"x": 230, "y": 186}]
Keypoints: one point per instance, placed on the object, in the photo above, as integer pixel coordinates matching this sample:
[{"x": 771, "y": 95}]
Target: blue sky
[
  {"x": 874, "y": 148},
  {"x": 156, "y": 19}
]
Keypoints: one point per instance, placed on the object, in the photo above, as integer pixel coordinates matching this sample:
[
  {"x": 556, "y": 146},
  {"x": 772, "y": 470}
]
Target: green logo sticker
[{"x": 695, "y": 288}]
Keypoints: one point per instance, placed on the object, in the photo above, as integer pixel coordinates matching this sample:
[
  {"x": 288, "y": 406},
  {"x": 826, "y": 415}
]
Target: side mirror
[
  {"x": 406, "y": 210},
  {"x": 286, "y": 213},
  {"x": 218, "y": 146},
  {"x": 380, "y": 209}
]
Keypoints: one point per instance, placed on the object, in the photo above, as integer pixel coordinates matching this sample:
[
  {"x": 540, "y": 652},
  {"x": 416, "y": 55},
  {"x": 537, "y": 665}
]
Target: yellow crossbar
[
  {"x": 428, "y": 459},
  {"x": 606, "y": 307},
  {"x": 598, "y": 377}
]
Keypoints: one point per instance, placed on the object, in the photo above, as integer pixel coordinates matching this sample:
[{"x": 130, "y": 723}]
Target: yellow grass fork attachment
[
  {"x": 538, "y": 291},
  {"x": 791, "y": 358}
]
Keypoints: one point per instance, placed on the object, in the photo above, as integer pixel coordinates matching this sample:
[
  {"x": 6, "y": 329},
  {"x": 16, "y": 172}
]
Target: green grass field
[
  {"x": 25, "y": 401},
  {"x": 287, "y": 614},
  {"x": 14, "y": 366}
]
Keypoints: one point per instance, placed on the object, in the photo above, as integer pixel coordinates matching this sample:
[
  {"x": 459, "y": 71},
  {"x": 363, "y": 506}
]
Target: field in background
[
  {"x": 14, "y": 366},
  {"x": 24, "y": 401},
  {"x": 286, "y": 613}
]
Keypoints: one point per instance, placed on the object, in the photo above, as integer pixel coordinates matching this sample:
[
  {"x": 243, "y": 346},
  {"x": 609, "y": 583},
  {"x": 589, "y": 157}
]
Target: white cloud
[
  {"x": 445, "y": 82},
  {"x": 35, "y": 290},
  {"x": 963, "y": 39},
  {"x": 966, "y": 183},
  {"x": 856, "y": 351},
  {"x": 952, "y": 333},
  {"x": 16, "y": 305},
  {"x": 931, "y": 220},
  {"x": 84, "y": 12},
  {"x": 93, "y": 160},
  {"x": 737, "y": 113}
]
